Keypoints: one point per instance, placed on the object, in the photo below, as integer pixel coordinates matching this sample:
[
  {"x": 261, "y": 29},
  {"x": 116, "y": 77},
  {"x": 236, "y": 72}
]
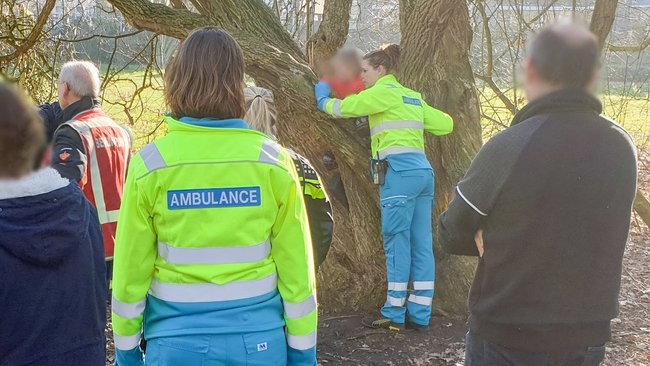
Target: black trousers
[{"x": 479, "y": 352}]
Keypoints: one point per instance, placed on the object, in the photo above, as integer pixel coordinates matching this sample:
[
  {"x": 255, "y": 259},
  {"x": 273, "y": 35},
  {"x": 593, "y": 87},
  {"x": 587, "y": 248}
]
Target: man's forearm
[{"x": 457, "y": 228}]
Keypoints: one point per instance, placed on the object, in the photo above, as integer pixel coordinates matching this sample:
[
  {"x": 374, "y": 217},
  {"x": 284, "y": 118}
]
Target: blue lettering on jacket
[
  {"x": 213, "y": 198},
  {"x": 412, "y": 101}
]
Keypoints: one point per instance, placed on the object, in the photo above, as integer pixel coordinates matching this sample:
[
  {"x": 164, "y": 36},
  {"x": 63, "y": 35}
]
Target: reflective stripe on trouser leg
[
  {"x": 397, "y": 211},
  {"x": 422, "y": 259}
]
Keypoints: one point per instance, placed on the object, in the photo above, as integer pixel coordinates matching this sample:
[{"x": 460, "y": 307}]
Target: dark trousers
[{"x": 479, "y": 352}]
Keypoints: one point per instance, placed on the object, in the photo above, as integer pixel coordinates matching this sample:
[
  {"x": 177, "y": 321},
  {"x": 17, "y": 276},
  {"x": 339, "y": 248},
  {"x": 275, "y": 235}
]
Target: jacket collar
[
  {"x": 189, "y": 124},
  {"x": 40, "y": 182},
  {"x": 215, "y": 123},
  {"x": 387, "y": 79},
  {"x": 567, "y": 100},
  {"x": 82, "y": 105}
]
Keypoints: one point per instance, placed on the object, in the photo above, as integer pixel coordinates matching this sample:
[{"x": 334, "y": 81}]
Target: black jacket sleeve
[
  {"x": 51, "y": 115},
  {"x": 478, "y": 191},
  {"x": 69, "y": 154},
  {"x": 456, "y": 228}
]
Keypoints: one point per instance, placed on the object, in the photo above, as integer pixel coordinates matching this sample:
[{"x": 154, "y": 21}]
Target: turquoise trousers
[
  {"x": 406, "y": 205},
  {"x": 267, "y": 348}
]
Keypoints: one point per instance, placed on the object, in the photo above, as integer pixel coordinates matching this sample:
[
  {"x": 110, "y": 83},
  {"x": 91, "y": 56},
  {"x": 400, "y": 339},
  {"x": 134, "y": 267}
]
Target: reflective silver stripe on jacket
[
  {"x": 423, "y": 285},
  {"x": 127, "y": 343},
  {"x": 398, "y": 150},
  {"x": 83, "y": 128},
  {"x": 270, "y": 152},
  {"x": 208, "y": 292},
  {"x": 397, "y": 286},
  {"x": 214, "y": 255},
  {"x": 152, "y": 158},
  {"x": 394, "y": 301},
  {"x": 128, "y": 311},
  {"x": 421, "y": 300},
  {"x": 302, "y": 343},
  {"x": 336, "y": 108},
  {"x": 396, "y": 125},
  {"x": 298, "y": 310}
]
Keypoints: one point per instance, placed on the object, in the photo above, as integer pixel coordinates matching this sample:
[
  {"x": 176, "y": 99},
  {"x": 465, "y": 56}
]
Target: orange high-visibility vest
[{"x": 108, "y": 149}]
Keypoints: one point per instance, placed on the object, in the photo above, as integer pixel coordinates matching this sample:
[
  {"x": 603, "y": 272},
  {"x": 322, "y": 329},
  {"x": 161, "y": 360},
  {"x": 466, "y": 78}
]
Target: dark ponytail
[{"x": 387, "y": 56}]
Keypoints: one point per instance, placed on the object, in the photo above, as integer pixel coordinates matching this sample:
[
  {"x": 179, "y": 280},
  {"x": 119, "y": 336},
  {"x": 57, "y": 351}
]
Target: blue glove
[{"x": 322, "y": 91}]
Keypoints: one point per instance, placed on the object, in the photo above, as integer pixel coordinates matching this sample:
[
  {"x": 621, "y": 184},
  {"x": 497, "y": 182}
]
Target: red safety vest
[{"x": 108, "y": 149}]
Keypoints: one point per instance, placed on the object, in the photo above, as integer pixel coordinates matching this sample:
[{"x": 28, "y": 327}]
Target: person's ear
[{"x": 530, "y": 71}]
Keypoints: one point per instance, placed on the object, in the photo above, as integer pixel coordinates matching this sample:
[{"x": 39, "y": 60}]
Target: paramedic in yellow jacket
[
  {"x": 397, "y": 118},
  {"x": 213, "y": 259}
]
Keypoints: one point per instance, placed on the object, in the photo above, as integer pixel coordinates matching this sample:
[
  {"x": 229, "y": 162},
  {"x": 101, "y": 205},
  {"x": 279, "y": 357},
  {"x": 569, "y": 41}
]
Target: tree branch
[
  {"x": 34, "y": 35},
  {"x": 639, "y": 48},
  {"x": 495, "y": 88},
  {"x": 332, "y": 32},
  {"x": 602, "y": 19},
  {"x": 104, "y": 36}
]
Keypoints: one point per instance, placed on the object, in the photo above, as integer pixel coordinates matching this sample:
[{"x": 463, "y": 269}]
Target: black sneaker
[{"x": 416, "y": 327}]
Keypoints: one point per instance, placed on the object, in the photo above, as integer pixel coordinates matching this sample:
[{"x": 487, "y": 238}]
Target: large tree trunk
[
  {"x": 602, "y": 20},
  {"x": 436, "y": 37}
]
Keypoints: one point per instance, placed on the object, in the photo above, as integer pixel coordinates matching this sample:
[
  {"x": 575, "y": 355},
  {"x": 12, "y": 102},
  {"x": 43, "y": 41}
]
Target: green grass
[{"x": 137, "y": 100}]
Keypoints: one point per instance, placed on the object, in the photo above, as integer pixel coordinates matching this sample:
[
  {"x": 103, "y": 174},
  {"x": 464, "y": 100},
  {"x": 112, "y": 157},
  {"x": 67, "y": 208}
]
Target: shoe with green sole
[{"x": 384, "y": 323}]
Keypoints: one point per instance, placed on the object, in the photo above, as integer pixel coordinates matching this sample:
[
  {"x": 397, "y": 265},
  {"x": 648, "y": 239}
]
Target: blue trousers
[
  {"x": 266, "y": 348},
  {"x": 406, "y": 205},
  {"x": 479, "y": 352}
]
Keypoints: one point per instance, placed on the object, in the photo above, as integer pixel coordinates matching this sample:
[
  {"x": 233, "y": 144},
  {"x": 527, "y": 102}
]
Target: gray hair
[
  {"x": 82, "y": 77},
  {"x": 260, "y": 110}
]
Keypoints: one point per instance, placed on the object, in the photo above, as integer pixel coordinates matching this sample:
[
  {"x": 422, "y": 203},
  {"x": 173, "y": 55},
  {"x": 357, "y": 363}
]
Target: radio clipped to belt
[{"x": 378, "y": 168}]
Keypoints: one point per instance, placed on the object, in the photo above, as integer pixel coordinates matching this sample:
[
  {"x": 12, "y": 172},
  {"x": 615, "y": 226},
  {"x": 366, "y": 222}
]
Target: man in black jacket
[{"x": 546, "y": 205}]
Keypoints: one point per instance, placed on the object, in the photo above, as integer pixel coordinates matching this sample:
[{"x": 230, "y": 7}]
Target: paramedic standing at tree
[
  {"x": 213, "y": 257},
  {"x": 397, "y": 118}
]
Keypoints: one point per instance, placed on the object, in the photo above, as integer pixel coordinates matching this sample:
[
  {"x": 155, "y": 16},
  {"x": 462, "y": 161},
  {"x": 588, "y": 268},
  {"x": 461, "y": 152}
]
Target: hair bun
[{"x": 391, "y": 50}]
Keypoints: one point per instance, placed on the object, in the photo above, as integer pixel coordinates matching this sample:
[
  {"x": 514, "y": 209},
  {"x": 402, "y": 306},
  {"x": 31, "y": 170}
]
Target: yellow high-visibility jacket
[
  {"x": 397, "y": 117},
  {"x": 212, "y": 238}
]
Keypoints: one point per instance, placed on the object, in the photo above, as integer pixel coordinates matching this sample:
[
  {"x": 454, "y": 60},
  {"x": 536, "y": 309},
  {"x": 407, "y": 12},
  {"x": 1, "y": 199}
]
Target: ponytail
[
  {"x": 387, "y": 56},
  {"x": 261, "y": 113}
]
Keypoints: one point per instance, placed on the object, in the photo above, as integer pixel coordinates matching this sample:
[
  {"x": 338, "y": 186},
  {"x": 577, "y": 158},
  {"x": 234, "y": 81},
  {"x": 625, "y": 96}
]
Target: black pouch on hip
[{"x": 378, "y": 168}]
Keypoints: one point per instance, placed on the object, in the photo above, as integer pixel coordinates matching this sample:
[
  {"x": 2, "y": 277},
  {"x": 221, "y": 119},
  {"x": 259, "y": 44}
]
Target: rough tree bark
[
  {"x": 332, "y": 32},
  {"x": 602, "y": 20},
  {"x": 436, "y": 37}
]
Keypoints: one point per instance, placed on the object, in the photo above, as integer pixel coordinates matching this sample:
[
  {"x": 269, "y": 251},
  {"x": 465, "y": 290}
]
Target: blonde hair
[
  {"x": 350, "y": 56},
  {"x": 261, "y": 114}
]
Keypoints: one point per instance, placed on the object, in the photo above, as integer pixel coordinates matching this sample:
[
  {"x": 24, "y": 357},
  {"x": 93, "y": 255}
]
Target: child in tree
[{"x": 345, "y": 78}]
